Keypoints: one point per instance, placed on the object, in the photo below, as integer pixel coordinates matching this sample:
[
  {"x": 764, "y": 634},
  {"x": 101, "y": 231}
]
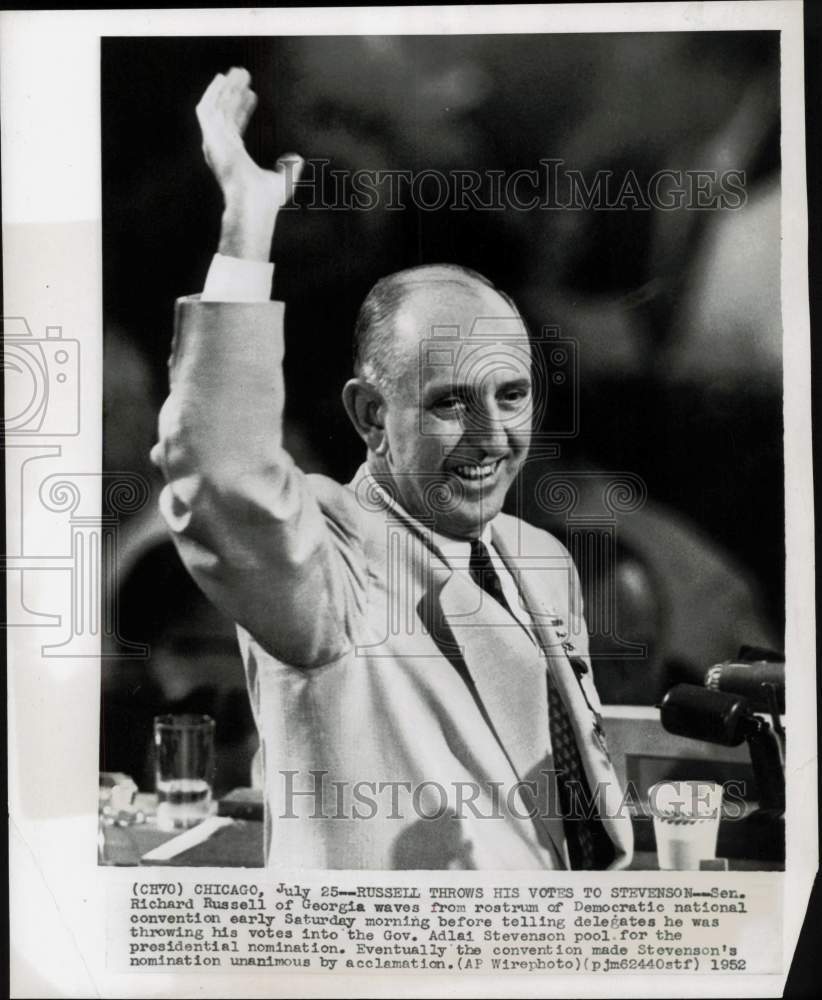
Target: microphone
[
  {"x": 728, "y": 719},
  {"x": 758, "y": 682},
  {"x": 711, "y": 716}
]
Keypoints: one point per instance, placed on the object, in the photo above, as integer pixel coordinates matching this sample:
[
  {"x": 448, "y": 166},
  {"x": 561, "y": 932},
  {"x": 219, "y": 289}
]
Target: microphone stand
[{"x": 728, "y": 720}]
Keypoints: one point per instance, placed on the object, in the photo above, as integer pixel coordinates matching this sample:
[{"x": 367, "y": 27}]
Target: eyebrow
[{"x": 463, "y": 389}]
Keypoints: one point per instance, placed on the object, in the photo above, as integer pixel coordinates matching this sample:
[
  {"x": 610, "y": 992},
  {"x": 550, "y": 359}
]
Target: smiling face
[{"x": 457, "y": 414}]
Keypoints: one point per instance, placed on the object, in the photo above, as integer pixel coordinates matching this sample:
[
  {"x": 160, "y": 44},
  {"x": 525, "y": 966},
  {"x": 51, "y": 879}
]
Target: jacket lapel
[
  {"x": 578, "y": 692},
  {"x": 508, "y": 677}
]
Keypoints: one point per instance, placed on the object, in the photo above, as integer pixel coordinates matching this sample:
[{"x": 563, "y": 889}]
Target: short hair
[{"x": 375, "y": 347}]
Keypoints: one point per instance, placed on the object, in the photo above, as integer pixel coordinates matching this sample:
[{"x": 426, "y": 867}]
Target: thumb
[{"x": 290, "y": 167}]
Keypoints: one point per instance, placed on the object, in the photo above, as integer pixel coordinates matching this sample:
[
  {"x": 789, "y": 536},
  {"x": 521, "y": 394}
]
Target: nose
[{"x": 488, "y": 427}]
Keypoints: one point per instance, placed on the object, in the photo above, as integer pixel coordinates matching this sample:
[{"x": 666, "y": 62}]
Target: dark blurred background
[{"x": 675, "y": 315}]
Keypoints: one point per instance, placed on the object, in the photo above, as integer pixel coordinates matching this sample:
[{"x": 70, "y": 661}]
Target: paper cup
[{"x": 686, "y": 822}]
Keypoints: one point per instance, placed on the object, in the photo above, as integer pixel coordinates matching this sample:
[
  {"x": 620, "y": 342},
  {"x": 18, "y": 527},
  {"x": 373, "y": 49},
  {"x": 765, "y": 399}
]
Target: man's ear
[{"x": 365, "y": 407}]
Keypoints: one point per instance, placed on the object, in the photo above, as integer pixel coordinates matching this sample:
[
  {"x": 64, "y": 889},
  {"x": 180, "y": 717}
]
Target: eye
[
  {"x": 447, "y": 405},
  {"x": 515, "y": 395}
]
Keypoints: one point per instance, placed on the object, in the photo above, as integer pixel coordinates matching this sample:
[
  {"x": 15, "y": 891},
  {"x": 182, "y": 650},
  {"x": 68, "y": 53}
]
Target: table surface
[{"x": 241, "y": 845}]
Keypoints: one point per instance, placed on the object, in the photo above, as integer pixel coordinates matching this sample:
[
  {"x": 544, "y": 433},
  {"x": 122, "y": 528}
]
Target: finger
[
  {"x": 238, "y": 76},
  {"x": 236, "y": 80},
  {"x": 237, "y": 101},
  {"x": 290, "y": 166},
  {"x": 247, "y": 104},
  {"x": 211, "y": 94}
]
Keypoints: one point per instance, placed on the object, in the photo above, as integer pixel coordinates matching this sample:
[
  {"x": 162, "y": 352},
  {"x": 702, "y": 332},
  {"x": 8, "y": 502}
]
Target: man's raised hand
[{"x": 252, "y": 195}]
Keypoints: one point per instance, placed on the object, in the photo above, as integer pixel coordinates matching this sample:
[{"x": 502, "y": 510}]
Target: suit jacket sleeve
[{"x": 276, "y": 550}]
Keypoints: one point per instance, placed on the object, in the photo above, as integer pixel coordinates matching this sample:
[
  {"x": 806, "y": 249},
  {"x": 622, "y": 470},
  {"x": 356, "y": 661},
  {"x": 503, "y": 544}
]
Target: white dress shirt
[{"x": 230, "y": 279}]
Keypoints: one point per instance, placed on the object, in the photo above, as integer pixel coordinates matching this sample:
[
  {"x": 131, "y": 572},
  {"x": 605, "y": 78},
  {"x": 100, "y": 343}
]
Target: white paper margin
[{"x": 49, "y": 82}]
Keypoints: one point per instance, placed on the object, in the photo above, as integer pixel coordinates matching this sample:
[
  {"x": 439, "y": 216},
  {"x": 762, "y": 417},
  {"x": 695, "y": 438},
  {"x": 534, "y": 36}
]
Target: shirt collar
[{"x": 455, "y": 551}]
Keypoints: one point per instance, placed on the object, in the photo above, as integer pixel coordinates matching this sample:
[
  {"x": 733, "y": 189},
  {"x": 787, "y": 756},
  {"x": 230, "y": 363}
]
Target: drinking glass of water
[{"x": 184, "y": 761}]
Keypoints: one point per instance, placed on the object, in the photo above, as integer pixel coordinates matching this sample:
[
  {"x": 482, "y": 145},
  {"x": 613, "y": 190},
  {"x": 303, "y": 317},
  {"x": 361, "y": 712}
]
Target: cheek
[
  {"x": 437, "y": 437},
  {"x": 399, "y": 426},
  {"x": 414, "y": 446},
  {"x": 521, "y": 437}
]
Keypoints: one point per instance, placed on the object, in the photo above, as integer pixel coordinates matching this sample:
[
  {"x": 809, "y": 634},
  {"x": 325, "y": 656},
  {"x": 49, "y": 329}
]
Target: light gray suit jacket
[{"x": 400, "y": 708}]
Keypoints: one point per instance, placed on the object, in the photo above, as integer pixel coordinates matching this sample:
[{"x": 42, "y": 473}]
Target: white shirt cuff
[{"x": 231, "y": 279}]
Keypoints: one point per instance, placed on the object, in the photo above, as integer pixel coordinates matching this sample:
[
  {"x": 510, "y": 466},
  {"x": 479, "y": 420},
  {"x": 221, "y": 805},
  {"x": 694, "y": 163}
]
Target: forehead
[{"x": 454, "y": 332}]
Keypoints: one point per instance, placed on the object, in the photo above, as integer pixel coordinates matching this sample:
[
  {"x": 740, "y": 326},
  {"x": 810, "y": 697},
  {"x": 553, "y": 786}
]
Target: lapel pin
[
  {"x": 599, "y": 736},
  {"x": 579, "y": 665}
]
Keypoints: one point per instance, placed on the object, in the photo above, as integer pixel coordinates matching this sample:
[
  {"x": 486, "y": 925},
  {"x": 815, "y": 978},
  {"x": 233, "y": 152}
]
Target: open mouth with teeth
[{"x": 476, "y": 472}]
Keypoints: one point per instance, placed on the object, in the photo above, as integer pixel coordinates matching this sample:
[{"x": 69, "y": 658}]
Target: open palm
[{"x": 223, "y": 113}]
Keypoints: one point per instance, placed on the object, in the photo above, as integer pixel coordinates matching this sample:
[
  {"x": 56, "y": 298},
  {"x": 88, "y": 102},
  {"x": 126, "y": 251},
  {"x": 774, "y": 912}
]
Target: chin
[{"x": 468, "y": 525}]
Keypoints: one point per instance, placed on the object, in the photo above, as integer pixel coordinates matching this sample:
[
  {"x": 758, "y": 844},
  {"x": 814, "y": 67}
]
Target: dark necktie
[
  {"x": 483, "y": 573},
  {"x": 586, "y": 839}
]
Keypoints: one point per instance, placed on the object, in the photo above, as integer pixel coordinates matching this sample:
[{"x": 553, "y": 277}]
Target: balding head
[{"x": 404, "y": 306}]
